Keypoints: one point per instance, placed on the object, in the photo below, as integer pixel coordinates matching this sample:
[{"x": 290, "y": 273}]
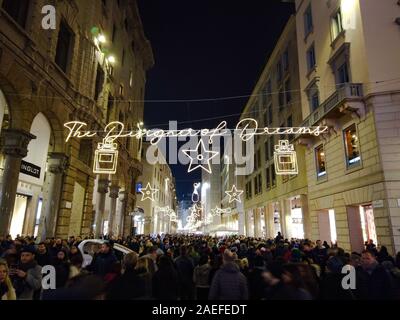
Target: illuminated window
[
  {"x": 352, "y": 149},
  {"x": 336, "y": 25},
  {"x": 320, "y": 161}
]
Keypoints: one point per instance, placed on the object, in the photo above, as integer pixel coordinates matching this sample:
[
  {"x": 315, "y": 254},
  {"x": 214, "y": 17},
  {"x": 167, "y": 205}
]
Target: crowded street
[{"x": 200, "y": 157}]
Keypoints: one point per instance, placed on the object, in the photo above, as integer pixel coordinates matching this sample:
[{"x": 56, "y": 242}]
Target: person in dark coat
[
  {"x": 257, "y": 285},
  {"x": 229, "y": 283},
  {"x": 165, "y": 284},
  {"x": 43, "y": 257},
  {"x": 130, "y": 285},
  {"x": 383, "y": 255},
  {"x": 377, "y": 281},
  {"x": 277, "y": 288},
  {"x": 62, "y": 266},
  {"x": 104, "y": 261},
  {"x": 331, "y": 282},
  {"x": 185, "y": 267}
]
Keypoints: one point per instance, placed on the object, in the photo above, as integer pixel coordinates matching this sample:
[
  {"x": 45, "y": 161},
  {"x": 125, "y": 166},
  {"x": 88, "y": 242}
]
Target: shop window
[
  {"x": 368, "y": 224},
  {"x": 17, "y": 9},
  {"x": 320, "y": 161},
  {"x": 352, "y": 150},
  {"x": 64, "y": 46}
]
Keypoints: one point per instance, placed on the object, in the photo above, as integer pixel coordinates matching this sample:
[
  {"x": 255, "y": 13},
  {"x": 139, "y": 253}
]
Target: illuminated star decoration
[
  {"x": 234, "y": 194},
  {"x": 202, "y": 155},
  {"x": 217, "y": 211},
  {"x": 148, "y": 192}
]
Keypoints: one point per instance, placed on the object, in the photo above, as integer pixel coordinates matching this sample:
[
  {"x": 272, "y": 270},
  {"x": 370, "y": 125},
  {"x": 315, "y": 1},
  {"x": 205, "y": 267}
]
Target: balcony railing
[{"x": 349, "y": 91}]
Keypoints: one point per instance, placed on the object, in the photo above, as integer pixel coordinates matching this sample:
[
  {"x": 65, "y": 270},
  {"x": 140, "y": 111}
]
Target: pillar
[
  {"x": 256, "y": 215},
  {"x": 123, "y": 198},
  {"x": 306, "y": 216},
  {"x": 285, "y": 213},
  {"x": 147, "y": 225},
  {"x": 114, "y": 193},
  {"x": 102, "y": 189},
  {"x": 56, "y": 165},
  {"x": 14, "y": 144},
  {"x": 269, "y": 223}
]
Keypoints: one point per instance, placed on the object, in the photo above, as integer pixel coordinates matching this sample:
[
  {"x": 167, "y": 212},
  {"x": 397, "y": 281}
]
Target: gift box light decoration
[
  {"x": 285, "y": 159},
  {"x": 106, "y": 158}
]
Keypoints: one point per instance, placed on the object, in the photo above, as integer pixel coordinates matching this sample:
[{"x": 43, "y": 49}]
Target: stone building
[
  {"x": 91, "y": 68},
  {"x": 275, "y": 203},
  {"x": 348, "y": 68},
  {"x": 344, "y": 74}
]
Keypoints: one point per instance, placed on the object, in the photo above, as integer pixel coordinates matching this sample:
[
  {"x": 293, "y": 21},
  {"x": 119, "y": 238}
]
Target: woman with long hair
[{"x": 7, "y": 291}]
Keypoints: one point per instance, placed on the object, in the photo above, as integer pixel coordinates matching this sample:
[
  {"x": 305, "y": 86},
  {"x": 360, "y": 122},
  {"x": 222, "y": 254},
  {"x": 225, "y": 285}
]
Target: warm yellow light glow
[
  {"x": 101, "y": 38},
  {"x": 348, "y": 9},
  {"x": 111, "y": 59}
]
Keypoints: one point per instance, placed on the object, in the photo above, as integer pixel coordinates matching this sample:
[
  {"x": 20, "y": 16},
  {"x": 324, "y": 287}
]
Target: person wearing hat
[
  {"x": 27, "y": 276},
  {"x": 229, "y": 283}
]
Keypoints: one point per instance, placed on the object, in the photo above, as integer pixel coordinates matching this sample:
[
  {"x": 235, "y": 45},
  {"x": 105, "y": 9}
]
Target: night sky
[{"x": 206, "y": 49}]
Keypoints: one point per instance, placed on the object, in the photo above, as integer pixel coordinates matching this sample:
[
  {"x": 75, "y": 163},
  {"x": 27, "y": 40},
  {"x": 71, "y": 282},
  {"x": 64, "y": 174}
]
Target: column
[
  {"x": 123, "y": 198},
  {"x": 147, "y": 225},
  {"x": 56, "y": 165},
  {"x": 306, "y": 216},
  {"x": 286, "y": 214},
  {"x": 269, "y": 232},
  {"x": 114, "y": 193},
  {"x": 256, "y": 215},
  {"x": 102, "y": 189},
  {"x": 246, "y": 223},
  {"x": 14, "y": 144}
]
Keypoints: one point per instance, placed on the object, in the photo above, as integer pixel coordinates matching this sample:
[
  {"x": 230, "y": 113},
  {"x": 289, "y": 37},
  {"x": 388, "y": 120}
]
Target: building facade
[
  {"x": 347, "y": 67},
  {"x": 91, "y": 68},
  {"x": 343, "y": 74},
  {"x": 276, "y": 203},
  {"x": 157, "y": 214}
]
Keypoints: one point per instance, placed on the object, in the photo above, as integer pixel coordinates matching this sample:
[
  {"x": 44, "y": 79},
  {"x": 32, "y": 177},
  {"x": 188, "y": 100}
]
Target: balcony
[{"x": 345, "y": 98}]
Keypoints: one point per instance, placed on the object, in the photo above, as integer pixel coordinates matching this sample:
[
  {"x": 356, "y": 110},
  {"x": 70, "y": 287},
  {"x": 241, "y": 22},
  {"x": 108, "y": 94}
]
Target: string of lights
[{"x": 216, "y": 99}]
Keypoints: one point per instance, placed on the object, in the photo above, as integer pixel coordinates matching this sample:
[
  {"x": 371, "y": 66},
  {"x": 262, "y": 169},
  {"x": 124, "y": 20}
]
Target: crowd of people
[{"x": 189, "y": 267}]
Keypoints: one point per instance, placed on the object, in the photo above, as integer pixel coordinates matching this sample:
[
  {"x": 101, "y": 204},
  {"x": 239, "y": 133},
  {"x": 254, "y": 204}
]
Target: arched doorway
[{"x": 29, "y": 199}]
